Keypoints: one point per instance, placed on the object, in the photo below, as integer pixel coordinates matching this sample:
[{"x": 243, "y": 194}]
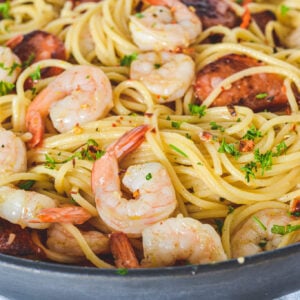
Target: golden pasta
[{"x": 228, "y": 164}]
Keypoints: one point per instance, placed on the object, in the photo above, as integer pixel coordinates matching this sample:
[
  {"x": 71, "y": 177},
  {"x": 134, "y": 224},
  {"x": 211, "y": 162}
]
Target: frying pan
[{"x": 263, "y": 276}]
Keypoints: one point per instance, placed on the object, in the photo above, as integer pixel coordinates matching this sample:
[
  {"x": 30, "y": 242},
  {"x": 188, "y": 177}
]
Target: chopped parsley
[
  {"x": 148, "y": 176},
  {"x": 249, "y": 168},
  {"x": 215, "y": 126},
  {"x": 282, "y": 230},
  {"x": 157, "y": 66},
  {"x": 36, "y": 75},
  {"x": 280, "y": 148},
  {"x": 260, "y": 223},
  {"x": 139, "y": 15},
  {"x": 261, "y": 96},
  {"x": 284, "y": 9},
  {"x": 122, "y": 271},
  {"x": 178, "y": 150},
  {"x": 175, "y": 124},
  {"x": 265, "y": 160},
  {"x": 229, "y": 148},
  {"x": 128, "y": 59},
  {"x": 219, "y": 224},
  {"x": 198, "y": 110},
  {"x": 230, "y": 209},
  {"x": 6, "y": 87},
  {"x": 4, "y": 10},
  {"x": 26, "y": 185},
  {"x": 91, "y": 152},
  {"x": 252, "y": 134}
]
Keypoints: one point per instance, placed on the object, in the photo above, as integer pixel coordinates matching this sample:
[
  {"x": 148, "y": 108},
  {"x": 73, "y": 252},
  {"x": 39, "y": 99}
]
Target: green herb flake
[
  {"x": 139, "y": 15},
  {"x": 157, "y": 66},
  {"x": 128, "y": 59},
  {"x": 4, "y": 10},
  {"x": 260, "y": 223},
  {"x": 229, "y": 148},
  {"x": 265, "y": 160},
  {"x": 28, "y": 61},
  {"x": 262, "y": 244},
  {"x": 282, "y": 230},
  {"x": 188, "y": 136},
  {"x": 175, "y": 124},
  {"x": 249, "y": 168},
  {"x": 26, "y": 185},
  {"x": 230, "y": 209},
  {"x": 280, "y": 149},
  {"x": 219, "y": 224},
  {"x": 122, "y": 271},
  {"x": 252, "y": 134},
  {"x": 198, "y": 110},
  {"x": 261, "y": 96},
  {"x": 50, "y": 162},
  {"x": 177, "y": 150},
  {"x": 36, "y": 75},
  {"x": 284, "y": 9},
  {"x": 215, "y": 126},
  {"x": 148, "y": 176},
  {"x": 6, "y": 87}
]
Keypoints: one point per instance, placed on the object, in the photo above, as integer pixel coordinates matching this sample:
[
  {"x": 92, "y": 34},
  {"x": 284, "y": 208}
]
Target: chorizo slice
[{"x": 258, "y": 92}]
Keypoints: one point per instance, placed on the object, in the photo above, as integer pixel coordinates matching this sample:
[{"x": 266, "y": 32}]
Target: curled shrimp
[
  {"x": 166, "y": 75},
  {"x": 177, "y": 239},
  {"x": 150, "y": 184},
  {"x": 165, "y": 25},
  {"x": 10, "y": 66},
  {"x": 12, "y": 153},
  {"x": 28, "y": 209},
  {"x": 61, "y": 241},
  {"x": 76, "y": 96},
  {"x": 255, "y": 235}
]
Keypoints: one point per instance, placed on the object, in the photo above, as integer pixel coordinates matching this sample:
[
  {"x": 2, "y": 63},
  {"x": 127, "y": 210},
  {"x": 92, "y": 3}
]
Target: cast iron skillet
[{"x": 263, "y": 276}]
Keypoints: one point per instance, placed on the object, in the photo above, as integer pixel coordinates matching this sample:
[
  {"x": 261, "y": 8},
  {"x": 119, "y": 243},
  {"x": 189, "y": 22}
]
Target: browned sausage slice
[{"x": 258, "y": 92}]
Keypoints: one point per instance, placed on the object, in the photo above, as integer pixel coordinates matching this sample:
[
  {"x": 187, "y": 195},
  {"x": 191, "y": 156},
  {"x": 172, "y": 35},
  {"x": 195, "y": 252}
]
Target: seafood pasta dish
[{"x": 139, "y": 134}]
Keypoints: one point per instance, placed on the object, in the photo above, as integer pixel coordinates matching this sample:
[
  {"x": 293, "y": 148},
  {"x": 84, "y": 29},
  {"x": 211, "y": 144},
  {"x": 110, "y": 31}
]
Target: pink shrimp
[
  {"x": 149, "y": 183},
  {"x": 76, "y": 96},
  {"x": 165, "y": 25}
]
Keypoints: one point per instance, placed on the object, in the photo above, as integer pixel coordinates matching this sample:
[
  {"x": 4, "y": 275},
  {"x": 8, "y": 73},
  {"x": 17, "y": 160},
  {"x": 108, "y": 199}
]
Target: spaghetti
[{"x": 200, "y": 145}]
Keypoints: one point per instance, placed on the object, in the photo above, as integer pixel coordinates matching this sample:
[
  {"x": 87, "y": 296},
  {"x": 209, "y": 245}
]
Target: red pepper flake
[
  {"x": 148, "y": 115},
  {"x": 295, "y": 205},
  {"x": 246, "y": 145},
  {"x": 293, "y": 127},
  {"x": 114, "y": 125},
  {"x": 205, "y": 136},
  {"x": 246, "y": 18}
]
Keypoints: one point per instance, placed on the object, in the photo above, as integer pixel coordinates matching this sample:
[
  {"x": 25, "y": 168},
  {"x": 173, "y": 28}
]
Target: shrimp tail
[
  {"x": 129, "y": 141},
  {"x": 35, "y": 125},
  {"x": 122, "y": 251},
  {"x": 67, "y": 214}
]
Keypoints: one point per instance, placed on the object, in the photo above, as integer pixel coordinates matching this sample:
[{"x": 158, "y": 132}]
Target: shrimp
[
  {"x": 255, "y": 235},
  {"x": 61, "y": 241},
  {"x": 13, "y": 157},
  {"x": 165, "y": 25},
  {"x": 122, "y": 251},
  {"x": 150, "y": 184},
  {"x": 166, "y": 75},
  {"x": 23, "y": 208},
  {"x": 10, "y": 66},
  {"x": 76, "y": 96},
  {"x": 181, "y": 238}
]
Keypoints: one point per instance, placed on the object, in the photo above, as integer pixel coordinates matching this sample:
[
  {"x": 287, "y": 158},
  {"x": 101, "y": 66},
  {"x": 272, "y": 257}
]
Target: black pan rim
[{"x": 53, "y": 267}]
